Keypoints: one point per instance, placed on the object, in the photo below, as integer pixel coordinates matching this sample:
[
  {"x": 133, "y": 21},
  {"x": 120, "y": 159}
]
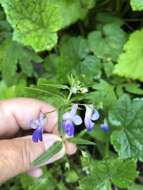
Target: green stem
[
  {"x": 69, "y": 96},
  {"x": 133, "y": 19},
  {"x": 104, "y": 2},
  {"x": 81, "y": 28},
  {"x": 118, "y": 6},
  {"x": 106, "y": 154}
]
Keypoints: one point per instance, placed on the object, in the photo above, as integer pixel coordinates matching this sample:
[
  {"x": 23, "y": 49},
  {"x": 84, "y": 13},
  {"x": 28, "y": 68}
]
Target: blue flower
[
  {"x": 105, "y": 127},
  {"x": 38, "y": 125},
  {"x": 91, "y": 115},
  {"x": 70, "y": 119}
]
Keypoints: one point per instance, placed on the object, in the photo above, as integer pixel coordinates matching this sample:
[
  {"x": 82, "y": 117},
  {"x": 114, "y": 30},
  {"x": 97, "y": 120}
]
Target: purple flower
[
  {"x": 91, "y": 115},
  {"x": 70, "y": 119},
  {"x": 105, "y": 127},
  {"x": 38, "y": 125}
]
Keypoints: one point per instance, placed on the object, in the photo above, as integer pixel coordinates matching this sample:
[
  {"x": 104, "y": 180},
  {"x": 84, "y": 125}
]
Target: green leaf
[
  {"x": 136, "y": 187},
  {"x": 108, "y": 42},
  {"x": 108, "y": 68},
  {"x": 46, "y": 95},
  {"x": 36, "y": 23},
  {"x": 6, "y": 92},
  {"x": 81, "y": 141},
  {"x": 8, "y": 60},
  {"x": 123, "y": 172},
  {"x": 73, "y": 50},
  {"x": 12, "y": 91},
  {"x": 51, "y": 84},
  {"x": 38, "y": 90},
  {"x": 130, "y": 63},
  {"x": 74, "y": 58},
  {"x": 133, "y": 88},
  {"x": 108, "y": 18},
  {"x": 54, "y": 149},
  {"x": 102, "y": 173},
  {"x": 90, "y": 68},
  {"x": 31, "y": 183},
  {"x": 72, "y": 10},
  {"x": 74, "y": 47},
  {"x": 12, "y": 54},
  {"x": 5, "y": 29},
  {"x": 103, "y": 95},
  {"x": 71, "y": 176},
  {"x": 50, "y": 65},
  {"x": 137, "y": 5},
  {"x": 127, "y": 117}
]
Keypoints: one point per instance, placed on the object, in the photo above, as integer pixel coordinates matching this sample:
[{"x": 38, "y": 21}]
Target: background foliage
[{"x": 95, "y": 47}]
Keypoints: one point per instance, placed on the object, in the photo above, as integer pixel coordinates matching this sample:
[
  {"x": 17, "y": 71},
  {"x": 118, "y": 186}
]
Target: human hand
[{"x": 17, "y": 153}]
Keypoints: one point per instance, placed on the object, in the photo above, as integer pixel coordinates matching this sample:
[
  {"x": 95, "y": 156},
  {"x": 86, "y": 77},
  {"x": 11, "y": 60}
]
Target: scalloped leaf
[
  {"x": 130, "y": 63},
  {"x": 36, "y": 23},
  {"x": 126, "y": 117},
  {"x": 137, "y": 5},
  {"x": 107, "y": 43},
  {"x": 102, "y": 173}
]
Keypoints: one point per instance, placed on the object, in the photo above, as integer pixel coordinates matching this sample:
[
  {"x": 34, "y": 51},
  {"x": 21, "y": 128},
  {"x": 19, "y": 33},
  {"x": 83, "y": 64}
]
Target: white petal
[
  {"x": 95, "y": 116},
  {"x": 77, "y": 120},
  {"x": 74, "y": 109},
  {"x": 66, "y": 116}
]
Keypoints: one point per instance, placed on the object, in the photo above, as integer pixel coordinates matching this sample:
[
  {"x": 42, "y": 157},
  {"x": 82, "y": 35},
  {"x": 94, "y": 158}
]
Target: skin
[{"x": 18, "y": 151}]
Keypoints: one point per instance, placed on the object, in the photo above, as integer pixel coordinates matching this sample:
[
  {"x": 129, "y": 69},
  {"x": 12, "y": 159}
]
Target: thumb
[{"x": 17, "y": 154}]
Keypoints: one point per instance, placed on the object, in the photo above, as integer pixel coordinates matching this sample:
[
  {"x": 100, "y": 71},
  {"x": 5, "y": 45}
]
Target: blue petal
[
  {"x": 69, "y": 128},
  {"x": 37, "y": 135},
  {"x": 88, "y": 124},
  {"x": 105, "y": 127}
]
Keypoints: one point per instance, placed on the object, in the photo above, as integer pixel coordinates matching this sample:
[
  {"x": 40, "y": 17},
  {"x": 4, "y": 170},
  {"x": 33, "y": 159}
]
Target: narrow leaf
[
  {"x": 81, "y": 141},
  {"x": 54, "y": 149}
]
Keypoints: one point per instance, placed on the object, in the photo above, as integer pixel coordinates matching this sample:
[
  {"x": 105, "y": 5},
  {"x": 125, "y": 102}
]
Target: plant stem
[
  {"x": 69, "y": 96},
  {"x": 133, "y": 19},
  {"x": 81, "y": 29},
  {"x": 106, "y": 154},
  {"x": 104, "y": 2},
  {"x": 118, "y": 6}
]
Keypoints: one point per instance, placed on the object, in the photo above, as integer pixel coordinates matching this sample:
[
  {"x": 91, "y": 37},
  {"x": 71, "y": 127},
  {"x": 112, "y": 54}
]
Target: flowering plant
[{"x": 85, "y": 58}]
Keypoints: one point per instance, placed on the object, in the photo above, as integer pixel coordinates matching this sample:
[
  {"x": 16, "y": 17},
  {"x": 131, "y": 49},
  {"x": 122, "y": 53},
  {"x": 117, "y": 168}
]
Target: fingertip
[
  {"x": 70, "y": 148},
  {"x": 37, "y": 172}
]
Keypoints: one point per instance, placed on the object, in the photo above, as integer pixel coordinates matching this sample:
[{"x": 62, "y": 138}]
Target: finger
[
  {"x": 35, "y": 172},
  {"x": 17, "y": 113},
  {"x": 70, "y": 148},
  {"x": 23, "y": 151}
]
